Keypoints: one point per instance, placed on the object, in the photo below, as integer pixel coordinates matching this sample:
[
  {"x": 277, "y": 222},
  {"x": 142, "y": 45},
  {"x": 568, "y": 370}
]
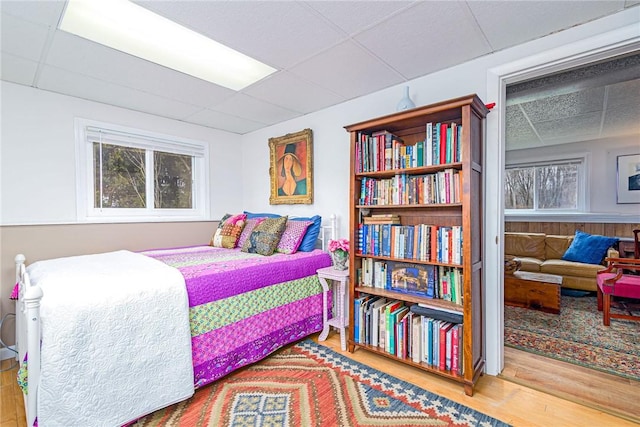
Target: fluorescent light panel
[{"x": 132, "y": 29}]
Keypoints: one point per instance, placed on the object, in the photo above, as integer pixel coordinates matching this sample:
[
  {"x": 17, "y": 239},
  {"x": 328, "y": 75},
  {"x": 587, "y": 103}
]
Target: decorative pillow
[
  {"x": 292, "y": 236},
  {"x": 261, "y": 215},
  {"x": 588, "y": 248},
  {"x": 220, "y": 224},
  {"x": 265, "y": 236},
  {"x": 248, "y": 229},
  {"x": 228, "y": 232},
  {"x": 311, "y": 236}
]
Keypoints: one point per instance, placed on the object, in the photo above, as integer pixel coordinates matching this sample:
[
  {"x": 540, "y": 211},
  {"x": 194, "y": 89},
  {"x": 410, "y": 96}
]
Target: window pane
[
  {"x": 518, "y": 189},
  {"x": 123, "y": 177},
  {"x": 557, "y": 186},
  {"x": 173, "y": 181}
]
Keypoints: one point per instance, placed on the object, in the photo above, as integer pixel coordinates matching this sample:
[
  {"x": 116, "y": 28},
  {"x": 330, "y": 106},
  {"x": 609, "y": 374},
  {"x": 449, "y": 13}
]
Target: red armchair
[{"x": 614, "y": 281}]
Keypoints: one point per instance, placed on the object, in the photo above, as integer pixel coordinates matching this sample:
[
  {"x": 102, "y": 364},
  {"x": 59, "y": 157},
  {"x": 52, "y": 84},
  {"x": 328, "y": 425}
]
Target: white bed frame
[{"x": 28, "y": 332}]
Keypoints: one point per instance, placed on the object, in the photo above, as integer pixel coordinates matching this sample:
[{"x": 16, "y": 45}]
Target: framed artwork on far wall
[
  {"x": 628, "y": 179},
  {"x": 291, "y": 168}
]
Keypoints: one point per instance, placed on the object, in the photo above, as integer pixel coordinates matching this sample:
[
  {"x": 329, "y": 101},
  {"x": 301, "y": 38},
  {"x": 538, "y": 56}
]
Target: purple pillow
[
  {"x": 249, "y": 225},
  {"x": 292, "y": 236}
]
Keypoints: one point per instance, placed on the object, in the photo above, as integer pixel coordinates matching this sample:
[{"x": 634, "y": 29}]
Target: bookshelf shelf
[
  {"x": 410, "y": 171},
  {"x": 415, "y": 219},
  {"x": 424, "y": 366},
  {"x": 413, "y": 261},
  {"x": 417, "y": 299},
  {"x": 428, "y": 206}
]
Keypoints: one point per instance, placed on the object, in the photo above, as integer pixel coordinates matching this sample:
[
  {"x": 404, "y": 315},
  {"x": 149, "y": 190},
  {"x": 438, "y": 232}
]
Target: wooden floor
[{"x": 572, "y": 396}]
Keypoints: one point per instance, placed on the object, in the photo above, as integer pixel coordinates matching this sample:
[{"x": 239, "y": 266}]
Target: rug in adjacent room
[
  {"x": 311, "y": 385},
  {"x": 577, "y": 335}
]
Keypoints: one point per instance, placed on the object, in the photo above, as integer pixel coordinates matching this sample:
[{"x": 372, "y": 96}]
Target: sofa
[{"x": 543, "y": 253}]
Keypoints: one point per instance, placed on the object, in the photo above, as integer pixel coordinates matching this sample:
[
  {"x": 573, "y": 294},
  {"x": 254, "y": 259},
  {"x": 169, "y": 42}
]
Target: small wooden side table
[{"x": 340, "y": 318}]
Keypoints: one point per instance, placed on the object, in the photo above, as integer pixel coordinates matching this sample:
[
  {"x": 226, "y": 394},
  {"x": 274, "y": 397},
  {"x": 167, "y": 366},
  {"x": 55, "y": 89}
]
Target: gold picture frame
[{"x": 291, "y": 168}]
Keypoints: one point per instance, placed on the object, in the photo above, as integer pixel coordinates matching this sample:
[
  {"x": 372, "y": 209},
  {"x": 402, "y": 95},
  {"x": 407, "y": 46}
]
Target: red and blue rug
[
  {"x": 311, "y": 385},
  {"x": 577, "y": 335}
]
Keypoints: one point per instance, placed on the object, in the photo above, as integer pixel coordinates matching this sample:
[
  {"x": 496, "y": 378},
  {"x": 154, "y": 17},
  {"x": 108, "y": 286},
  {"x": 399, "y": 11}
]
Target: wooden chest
[{"x": 533, "y": 294}]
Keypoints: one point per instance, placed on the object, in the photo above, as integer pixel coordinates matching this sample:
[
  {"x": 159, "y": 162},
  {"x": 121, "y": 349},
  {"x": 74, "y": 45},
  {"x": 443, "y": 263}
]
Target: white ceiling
[{"x": 326, "y": 52}]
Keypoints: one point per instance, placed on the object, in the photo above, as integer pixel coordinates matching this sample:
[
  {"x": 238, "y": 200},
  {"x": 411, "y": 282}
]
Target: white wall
[
  {"x": 38, "y": 170},
  {"x": 601, "y": 175}
]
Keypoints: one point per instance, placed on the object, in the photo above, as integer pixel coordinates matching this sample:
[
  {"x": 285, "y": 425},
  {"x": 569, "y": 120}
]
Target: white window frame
[
  {"x": 582, "y": 205},
  {"x": 137, "y": 138}
]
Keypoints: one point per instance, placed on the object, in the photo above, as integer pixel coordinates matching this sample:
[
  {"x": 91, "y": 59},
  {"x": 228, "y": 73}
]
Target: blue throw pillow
[
  {"x": 261, "y": 215},
  {"x": 588, "y": 248},
  {"x": 311, "y": 236}
]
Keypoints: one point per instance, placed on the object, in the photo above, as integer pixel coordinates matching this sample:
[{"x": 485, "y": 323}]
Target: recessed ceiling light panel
[{"x": 132, "y": 29}]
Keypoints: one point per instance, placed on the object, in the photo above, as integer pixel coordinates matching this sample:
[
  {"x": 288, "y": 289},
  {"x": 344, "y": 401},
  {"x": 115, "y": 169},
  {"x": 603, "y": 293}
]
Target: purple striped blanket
[{"x": 245, "y": 306}]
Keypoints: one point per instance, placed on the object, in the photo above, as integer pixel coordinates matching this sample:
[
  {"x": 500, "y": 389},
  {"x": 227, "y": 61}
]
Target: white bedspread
[{"x": 116, "y": 342}]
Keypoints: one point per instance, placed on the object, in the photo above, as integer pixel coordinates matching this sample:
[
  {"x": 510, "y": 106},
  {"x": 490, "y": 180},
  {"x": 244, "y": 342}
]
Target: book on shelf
[
  {"x": 456, "y": 349},
  {"x": 393, "y": 219},
  {"x": 442, "y": 143},
  {"x": 375, "y": 320},
  {"x": 389, "y": 326},
  {"x": 437, "y": 313},
  {"x": 378, "y": 152},
  {"x": 445, "y": 327},
  {"x": 408, "y": 277}
]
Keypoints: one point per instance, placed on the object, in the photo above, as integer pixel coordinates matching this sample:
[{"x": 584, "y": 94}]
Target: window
[
  {"x": 545, "y": 186},
  {"x": 129, "y": 174}
]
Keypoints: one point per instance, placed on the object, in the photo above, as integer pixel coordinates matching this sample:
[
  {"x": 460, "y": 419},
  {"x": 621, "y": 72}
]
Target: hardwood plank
[
  {"x": 589, "y": 387},
  {"x": 500, "y": 397},
  {"x": 505, "y": 397}
]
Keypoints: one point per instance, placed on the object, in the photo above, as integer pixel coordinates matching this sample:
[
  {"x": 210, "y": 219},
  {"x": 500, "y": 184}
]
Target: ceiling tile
[
  {"x": 18, "y": 70},
  {"x": 47, "y": 12},
  {"x": 566, "y": 105},
  {"x": 427, "y": 37},
  {"x": 91, "y": 59},
  {"x": 508, "y": 23},
  {"x": 23, "y": 38},
  {"x": 247, "y": 107},
  {"x": 217, "y": 120},
  {"x": 622, "y": 120},
  {"x": 623, "y": 94},
  {"x": 355, "y": 16},
  {"x": 293, "y": 93},
  {"x": 348, "y": 70},
  {"x": 519, "y": 132},
  {"x": 586, "y": 126},
  {"x": 278, "y": 33},
  {"x": 68, "y": 83}
]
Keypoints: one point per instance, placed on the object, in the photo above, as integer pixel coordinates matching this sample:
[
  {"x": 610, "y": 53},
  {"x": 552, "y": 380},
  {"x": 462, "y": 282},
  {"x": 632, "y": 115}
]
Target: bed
[{"x": 104, "y": 339}]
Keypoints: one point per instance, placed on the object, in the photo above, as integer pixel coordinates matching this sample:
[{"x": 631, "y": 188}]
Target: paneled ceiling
[
  {"x": 326, "y": 52},
  {"x": 596, "y": 101}
]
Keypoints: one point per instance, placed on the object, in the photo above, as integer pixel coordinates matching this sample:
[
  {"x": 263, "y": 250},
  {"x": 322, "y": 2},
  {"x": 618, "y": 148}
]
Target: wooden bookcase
[{"x": 410, "y": 126}]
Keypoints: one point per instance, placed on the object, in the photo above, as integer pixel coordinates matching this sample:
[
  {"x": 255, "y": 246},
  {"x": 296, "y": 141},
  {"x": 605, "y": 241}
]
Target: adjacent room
[{"x": 319, "y": 213}]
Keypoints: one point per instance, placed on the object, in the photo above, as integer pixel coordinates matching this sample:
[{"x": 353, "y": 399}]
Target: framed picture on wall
[
  {"x": 291, "y": 168},
  {"x": 628, "y": 179}
]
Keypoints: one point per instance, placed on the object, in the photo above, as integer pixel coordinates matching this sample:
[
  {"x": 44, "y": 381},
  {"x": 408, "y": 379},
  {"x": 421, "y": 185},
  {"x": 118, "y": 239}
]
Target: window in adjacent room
[
  {"x": 129, "y": 174},
  {"x": 545, "y": 186}
]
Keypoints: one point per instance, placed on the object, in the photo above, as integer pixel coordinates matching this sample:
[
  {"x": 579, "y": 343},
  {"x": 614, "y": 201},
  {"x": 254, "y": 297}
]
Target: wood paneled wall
[{"x": 569, "y": 228}]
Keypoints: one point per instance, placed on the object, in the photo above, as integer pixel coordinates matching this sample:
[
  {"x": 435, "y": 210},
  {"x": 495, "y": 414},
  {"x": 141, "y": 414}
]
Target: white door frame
[{"x": 617, "y": 42}]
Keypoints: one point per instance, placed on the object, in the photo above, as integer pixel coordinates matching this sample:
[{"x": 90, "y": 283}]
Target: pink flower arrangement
[{"x": 339, "y": 245}]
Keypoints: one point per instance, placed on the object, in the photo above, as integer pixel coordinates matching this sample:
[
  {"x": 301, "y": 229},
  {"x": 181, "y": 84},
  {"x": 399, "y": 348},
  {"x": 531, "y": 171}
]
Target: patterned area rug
[
  {"x": 311, "y": 385},
  {"x": 578, "y": 336}
]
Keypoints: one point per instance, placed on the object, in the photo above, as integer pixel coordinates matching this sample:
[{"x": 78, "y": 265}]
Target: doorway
[{"x": 560, "y": 60}]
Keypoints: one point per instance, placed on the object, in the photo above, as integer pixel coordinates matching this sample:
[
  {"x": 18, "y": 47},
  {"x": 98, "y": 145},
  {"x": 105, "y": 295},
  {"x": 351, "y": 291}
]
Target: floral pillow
[
  {"x": 248, "y": 229},
  {"x": 292, "y": 236},
  {"x": 265, "y": 236},
  {"x": 228, "y": 232}
]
